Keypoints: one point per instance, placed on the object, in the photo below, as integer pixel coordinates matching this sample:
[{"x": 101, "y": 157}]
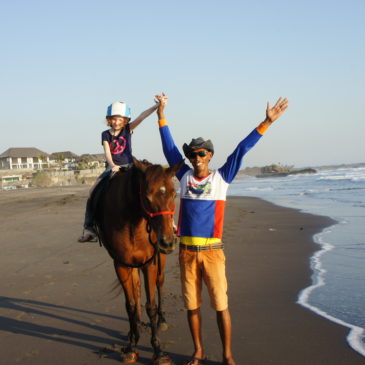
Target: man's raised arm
[
  {"x": 234, "y": 161},
  {"x": 170, "y": 150}
]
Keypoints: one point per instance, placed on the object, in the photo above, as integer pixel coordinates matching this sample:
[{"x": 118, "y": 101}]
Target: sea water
[{"x": 338, "y": 283}]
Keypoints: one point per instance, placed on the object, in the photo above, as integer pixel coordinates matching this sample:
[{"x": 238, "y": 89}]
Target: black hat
[{"x": 197, "y": 144}]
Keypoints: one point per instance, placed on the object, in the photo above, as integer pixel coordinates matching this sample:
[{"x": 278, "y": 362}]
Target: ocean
[{"x": 338, "y": 282}]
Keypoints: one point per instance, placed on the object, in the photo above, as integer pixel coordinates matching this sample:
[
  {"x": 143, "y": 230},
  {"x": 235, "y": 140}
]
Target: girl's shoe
[{"x": 87, "y": 237}]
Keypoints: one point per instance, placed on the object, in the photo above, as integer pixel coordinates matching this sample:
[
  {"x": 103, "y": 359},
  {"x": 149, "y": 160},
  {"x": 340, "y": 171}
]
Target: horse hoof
[
  {"x": 129, "y": 357},
  {"x": 163, "y": 359},
  {"x": 163, "y": 326}
]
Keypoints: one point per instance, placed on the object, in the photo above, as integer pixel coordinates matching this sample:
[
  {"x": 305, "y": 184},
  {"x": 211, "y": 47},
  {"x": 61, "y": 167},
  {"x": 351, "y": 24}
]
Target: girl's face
[{"x": 117, "y": 122}]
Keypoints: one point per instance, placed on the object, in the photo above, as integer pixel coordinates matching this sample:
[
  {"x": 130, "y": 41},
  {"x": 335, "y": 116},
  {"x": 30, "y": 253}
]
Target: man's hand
[
  {"x": 275, "y": 112},
  {"x": 162, "y": 101}
]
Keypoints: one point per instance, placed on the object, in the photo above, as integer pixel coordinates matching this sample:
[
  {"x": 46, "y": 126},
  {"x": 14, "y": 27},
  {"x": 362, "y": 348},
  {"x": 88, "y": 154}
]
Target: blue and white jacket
[{"x": 203, "y": 200}]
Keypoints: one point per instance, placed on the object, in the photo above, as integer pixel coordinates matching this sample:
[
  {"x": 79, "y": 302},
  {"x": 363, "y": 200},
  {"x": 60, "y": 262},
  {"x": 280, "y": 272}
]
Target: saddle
[{"x": 98, "y": 193}]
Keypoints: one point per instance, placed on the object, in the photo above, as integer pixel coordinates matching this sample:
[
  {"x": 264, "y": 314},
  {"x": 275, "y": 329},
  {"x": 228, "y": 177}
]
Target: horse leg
[
  {"x": 137, "y": 294},
  {"x": 129, "y": 281},
  {"x": 150, "y": 279},
  {"x": 162, "y": 324}
]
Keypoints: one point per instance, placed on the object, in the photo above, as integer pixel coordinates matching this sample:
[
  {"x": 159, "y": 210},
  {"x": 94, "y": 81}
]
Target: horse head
[{"x": 157, "y": 196}]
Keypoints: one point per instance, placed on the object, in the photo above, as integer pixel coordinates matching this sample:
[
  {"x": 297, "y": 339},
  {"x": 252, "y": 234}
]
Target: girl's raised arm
[{"x": 136, "y": 122}]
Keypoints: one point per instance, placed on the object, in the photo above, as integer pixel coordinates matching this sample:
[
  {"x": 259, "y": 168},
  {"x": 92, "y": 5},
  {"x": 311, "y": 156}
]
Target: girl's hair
[{"x": 108, "y": 121}]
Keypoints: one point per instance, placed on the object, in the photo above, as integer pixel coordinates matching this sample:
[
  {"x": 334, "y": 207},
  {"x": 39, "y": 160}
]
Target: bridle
[
  {"x": 150, "y": 216},
  {"x": 153, "y": 214}
]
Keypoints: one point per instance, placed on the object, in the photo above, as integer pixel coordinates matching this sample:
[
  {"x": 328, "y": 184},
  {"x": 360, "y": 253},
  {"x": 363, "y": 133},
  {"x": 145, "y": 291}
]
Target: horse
[{"x": 134, "y": 221}]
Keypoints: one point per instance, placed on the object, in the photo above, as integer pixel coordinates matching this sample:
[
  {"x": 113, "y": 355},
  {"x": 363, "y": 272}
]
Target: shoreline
[
  {"x": 58, "y": 302},
  {"x": 316, "y": 226},
  {"x": 355, "y": 333}
]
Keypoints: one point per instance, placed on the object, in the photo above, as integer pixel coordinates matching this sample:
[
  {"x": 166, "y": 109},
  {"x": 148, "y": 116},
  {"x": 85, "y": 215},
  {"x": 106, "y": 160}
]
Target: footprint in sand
[
  {"x": 20, "y": 315},
  {"x": 27, "y": 355}
]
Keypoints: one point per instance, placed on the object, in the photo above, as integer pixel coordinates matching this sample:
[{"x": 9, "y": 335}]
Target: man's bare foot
[{"x": 197, "y": 359}]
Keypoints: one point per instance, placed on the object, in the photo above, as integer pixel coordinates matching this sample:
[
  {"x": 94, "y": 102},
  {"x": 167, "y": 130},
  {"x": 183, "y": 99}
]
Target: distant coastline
[
  {"x": 280, "y": 170},
  {"x": 24, "y": 178},
  {"x": 282, "y": 174}
]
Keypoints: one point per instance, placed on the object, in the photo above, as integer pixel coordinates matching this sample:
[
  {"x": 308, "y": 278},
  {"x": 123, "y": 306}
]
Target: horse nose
[{"x": 168, "y": 245}]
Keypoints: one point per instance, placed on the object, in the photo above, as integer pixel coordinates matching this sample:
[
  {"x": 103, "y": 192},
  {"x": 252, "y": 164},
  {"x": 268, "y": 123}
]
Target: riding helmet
[{"x": 118, "y": 109}]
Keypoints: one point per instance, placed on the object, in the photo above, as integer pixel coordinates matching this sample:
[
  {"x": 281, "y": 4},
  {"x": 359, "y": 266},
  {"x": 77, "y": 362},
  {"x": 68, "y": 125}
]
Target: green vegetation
[
  {"x": 41, "y": 179},
  {"x": 82, "y": 165},
  {"x": 42, "y": 161},
  {"x": 274, "y": 168},
  {"x": 60, "y": 158},
  {"x": 280, "y": 170}
]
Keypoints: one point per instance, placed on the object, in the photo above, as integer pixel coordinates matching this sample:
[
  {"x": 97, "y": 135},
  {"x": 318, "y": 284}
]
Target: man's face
[{"x": 200, "y": 159}]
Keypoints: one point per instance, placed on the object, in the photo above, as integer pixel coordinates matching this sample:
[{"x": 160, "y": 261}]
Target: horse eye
[{"x": 163, "y": 189}]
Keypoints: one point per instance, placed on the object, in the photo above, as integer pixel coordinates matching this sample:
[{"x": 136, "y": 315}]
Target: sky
[{"x": 63, "y": 63}]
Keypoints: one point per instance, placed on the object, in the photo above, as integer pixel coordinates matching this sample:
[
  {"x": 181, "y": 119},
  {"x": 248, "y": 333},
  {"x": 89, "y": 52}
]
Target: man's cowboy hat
[{"x": 197, "y": 144}]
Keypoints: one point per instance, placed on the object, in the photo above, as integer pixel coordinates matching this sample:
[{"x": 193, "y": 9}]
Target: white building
[{"x": 24, "y": 158}]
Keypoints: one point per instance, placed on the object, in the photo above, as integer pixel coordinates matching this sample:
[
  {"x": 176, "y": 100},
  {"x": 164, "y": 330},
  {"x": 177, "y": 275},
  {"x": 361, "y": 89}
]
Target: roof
[
  {"x": 92, "y": 157},
  {"x": 64, "y": 154},
  {"x": 23, "y": 152}
]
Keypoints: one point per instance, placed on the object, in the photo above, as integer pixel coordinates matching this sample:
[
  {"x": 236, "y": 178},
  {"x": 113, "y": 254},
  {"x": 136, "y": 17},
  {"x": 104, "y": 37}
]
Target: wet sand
[{"x": 59, "y": 305}]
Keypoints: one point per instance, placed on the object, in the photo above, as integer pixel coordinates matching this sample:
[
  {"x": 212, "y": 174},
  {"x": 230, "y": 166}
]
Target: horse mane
[
  {"x": 146, "y": 162},
  {"x": 153, "y": 173},
  {"x": 126, "y": 189},
  {"x": 123, "y": 189}
]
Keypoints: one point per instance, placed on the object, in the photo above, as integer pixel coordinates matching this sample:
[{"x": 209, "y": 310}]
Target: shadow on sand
[{"x": 34, "y": 310}]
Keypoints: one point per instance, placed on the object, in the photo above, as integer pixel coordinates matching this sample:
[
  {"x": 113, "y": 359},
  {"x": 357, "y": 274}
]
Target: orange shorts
[{"x": 206, "y": 265}]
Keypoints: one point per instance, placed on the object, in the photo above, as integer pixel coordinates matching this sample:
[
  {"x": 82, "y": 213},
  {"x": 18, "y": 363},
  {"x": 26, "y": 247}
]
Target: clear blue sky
[{"x": 63, "y": 62}]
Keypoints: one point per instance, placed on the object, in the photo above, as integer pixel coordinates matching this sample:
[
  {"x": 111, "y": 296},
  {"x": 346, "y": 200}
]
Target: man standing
[{"x": 200, "y": 227}]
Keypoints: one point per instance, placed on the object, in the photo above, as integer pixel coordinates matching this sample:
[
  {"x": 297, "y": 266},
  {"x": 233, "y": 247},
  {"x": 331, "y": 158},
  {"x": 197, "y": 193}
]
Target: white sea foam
[
  {"x": 311, "y": 191},
  {"x": 356, "y": 336},
  {"x": 339, "y": 194},
  {"x": 356, "y": 175},
  {"x": 345, "y": 177},
  {"x": 260, "y": 189}
]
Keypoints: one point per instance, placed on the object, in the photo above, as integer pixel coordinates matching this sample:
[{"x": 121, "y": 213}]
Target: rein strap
[{"x": 151, "y": 214}]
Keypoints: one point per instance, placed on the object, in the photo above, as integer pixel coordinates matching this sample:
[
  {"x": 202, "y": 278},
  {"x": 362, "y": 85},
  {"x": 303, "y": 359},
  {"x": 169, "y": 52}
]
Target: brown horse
[{"x": 135, "y": 224}]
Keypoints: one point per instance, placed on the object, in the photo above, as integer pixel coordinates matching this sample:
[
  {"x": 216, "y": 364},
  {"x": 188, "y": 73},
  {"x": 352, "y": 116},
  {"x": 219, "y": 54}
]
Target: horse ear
[
  {"x": 172, "y": 170},
  {"x": 139, "y": 165}
]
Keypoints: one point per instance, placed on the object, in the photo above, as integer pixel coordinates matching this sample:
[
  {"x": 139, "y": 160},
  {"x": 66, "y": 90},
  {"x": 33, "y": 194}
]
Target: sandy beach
[{"x": 59, "y": 305}]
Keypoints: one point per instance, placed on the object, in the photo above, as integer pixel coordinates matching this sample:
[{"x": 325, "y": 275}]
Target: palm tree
[
  {"x": 42, "y": 158},
  {"x": 60, "y": 157}
]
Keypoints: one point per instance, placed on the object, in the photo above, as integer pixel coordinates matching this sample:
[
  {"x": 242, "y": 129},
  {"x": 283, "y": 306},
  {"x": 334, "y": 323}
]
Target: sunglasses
[{"x": 199, "y": 153}]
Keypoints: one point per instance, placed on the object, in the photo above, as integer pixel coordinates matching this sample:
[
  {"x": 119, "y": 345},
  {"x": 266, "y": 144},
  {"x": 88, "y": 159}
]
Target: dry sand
[{"x": 58, "y": 305}]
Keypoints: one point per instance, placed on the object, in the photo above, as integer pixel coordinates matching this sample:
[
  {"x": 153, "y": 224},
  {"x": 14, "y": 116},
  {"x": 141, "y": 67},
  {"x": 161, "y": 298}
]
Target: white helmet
[{"x": 118, "y": 108}]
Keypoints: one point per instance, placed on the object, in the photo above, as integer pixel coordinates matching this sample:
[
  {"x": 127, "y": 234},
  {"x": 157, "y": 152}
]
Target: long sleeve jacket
[{"x": 203, "y": 201}]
